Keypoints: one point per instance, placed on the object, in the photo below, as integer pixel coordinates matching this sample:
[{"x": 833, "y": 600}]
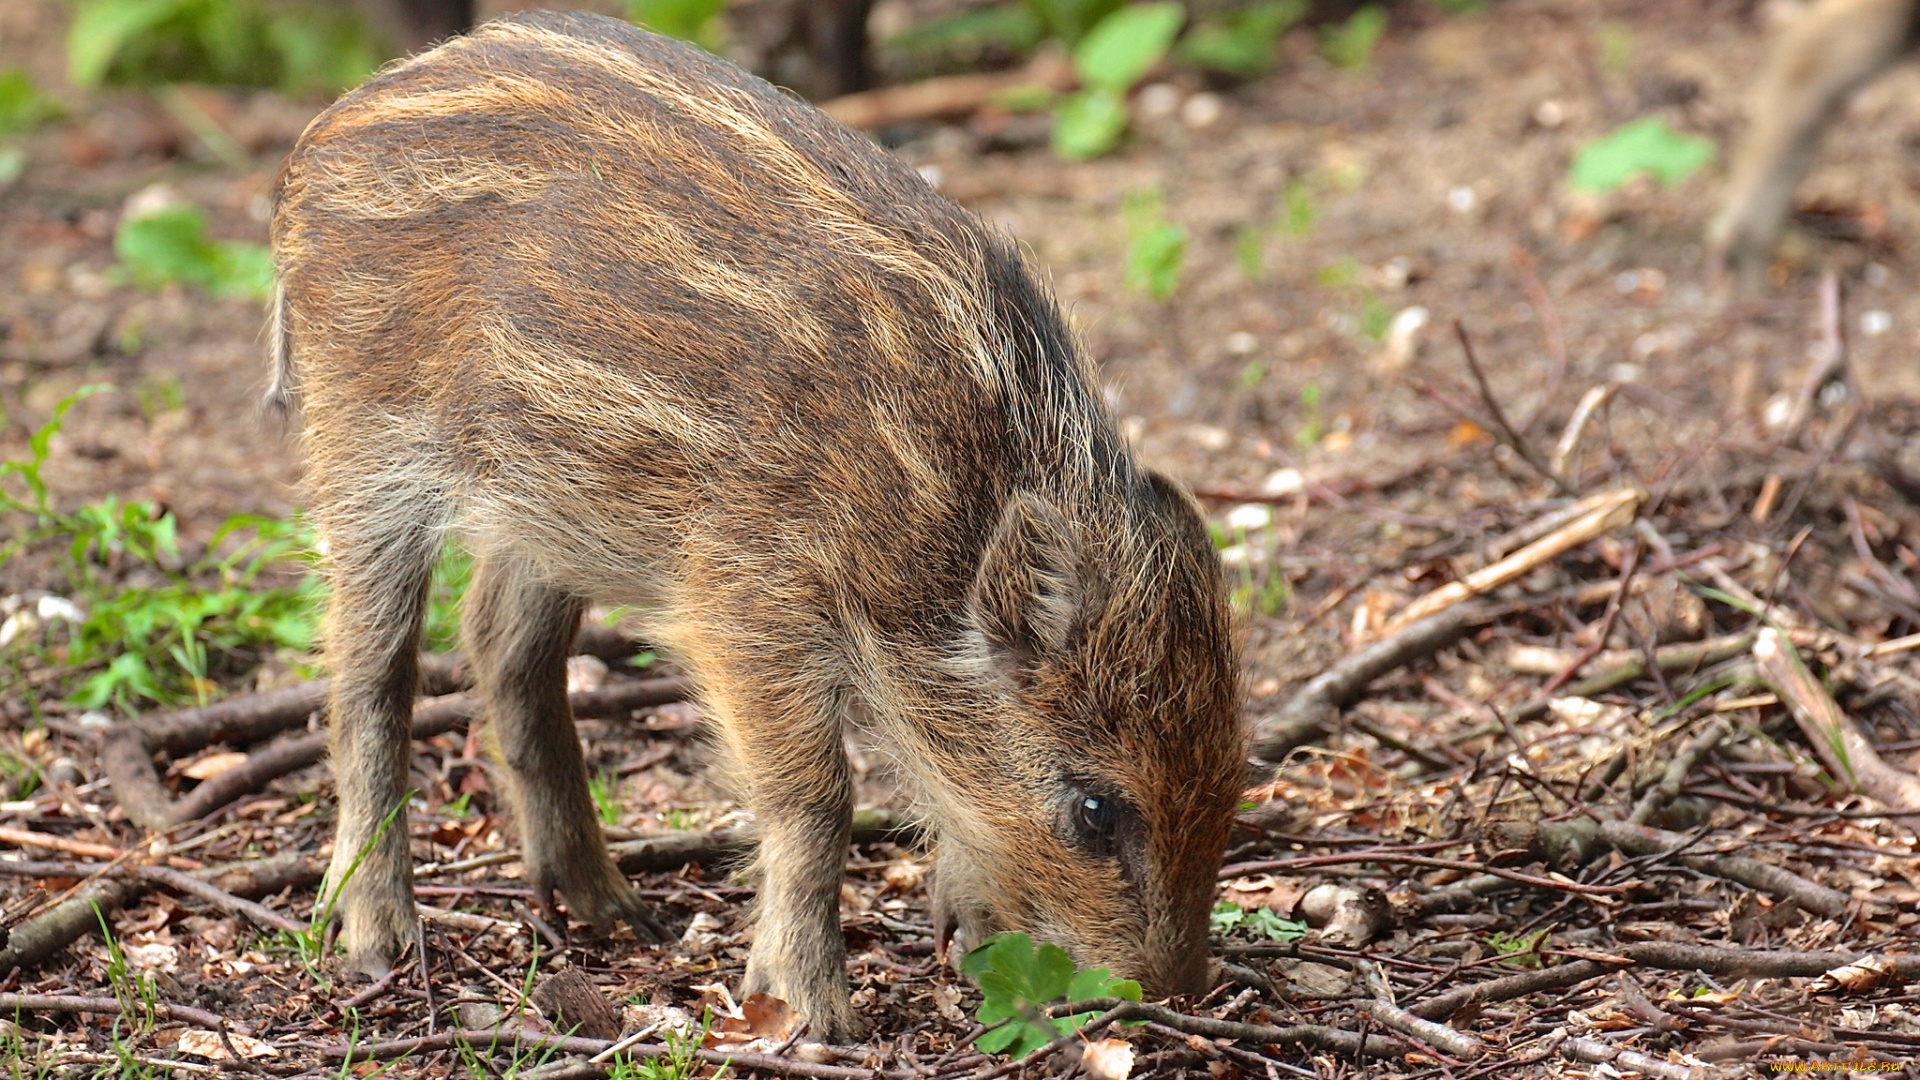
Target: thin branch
[{"x": 1503, "y": 430}]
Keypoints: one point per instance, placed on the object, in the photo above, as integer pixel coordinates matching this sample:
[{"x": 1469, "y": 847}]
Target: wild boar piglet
[{"x": 640, "y": 329}]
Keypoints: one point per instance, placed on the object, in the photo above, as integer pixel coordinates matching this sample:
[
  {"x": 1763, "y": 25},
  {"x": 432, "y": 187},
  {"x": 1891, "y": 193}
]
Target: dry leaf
[
  {"x": 1863, "y": 974},
  {"x": 207, "y": 1044},
  {"x": 211, "y": 765},
  {"x": 1108, "y": 1059},
  {"x": 946, "y": 1002},
  {"x": 763, "y": 1018},
  {"x": 1467, "y": 433}
]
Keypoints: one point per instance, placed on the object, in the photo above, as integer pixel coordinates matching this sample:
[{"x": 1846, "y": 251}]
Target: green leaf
[
  {"x": 696, "y": 21},
  {"x": 1350, "y": 44},
  {"x": 170, "y": 244},
  {"x": 1013, "y": 27},
  {"x": 22, "y": 106},
  {"x": 997, "y": 1040},
  {"x": 102, "y": 28},
  {"x": 1069, "y": 20},
  {"x": 1126, "y": 45},
  {"x": 1241, "y": 42},
  {"x": 1051, "y": 974},
  {"x": 1088, "y": 123},
  {"x": 1646, "y": 145}
]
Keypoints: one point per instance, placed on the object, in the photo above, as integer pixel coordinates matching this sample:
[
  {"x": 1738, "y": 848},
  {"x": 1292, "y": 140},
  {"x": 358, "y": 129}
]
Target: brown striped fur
[{"x": 640, "y": 329}]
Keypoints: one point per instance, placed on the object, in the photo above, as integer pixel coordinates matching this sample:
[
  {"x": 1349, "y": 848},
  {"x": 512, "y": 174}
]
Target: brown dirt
[{"x": 1436, "y": 178}]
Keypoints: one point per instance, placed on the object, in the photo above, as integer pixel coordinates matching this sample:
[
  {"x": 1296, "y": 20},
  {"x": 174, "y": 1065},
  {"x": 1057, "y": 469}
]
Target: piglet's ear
[{"x": 1028, "y": 591}]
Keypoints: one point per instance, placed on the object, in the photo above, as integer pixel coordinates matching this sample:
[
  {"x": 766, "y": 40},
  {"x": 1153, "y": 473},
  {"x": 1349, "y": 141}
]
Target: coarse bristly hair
[{"x": 644, "y": 330}]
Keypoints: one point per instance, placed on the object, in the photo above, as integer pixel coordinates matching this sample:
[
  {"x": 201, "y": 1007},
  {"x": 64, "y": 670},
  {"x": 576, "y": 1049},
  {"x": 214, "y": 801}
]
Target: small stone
[
  {"x": 1158, "y": 101},
  {"x": 1202, "y": 110}
]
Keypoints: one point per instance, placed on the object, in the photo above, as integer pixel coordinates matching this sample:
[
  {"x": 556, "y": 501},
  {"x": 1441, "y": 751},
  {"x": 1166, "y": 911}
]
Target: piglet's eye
[{"x": 1094, "y": 820}]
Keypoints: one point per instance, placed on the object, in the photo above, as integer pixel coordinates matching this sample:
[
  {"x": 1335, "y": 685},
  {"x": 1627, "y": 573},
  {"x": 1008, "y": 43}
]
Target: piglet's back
[{"x": 567, "y": 245}]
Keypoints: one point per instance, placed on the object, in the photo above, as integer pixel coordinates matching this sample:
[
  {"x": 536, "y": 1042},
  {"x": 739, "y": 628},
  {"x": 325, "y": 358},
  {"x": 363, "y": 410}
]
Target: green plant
[
  {"x": 138, "y": 997},
  {"x": 970, "y": 31},
  {"x": 152, "y": 642},
  {"x": 170, "y": 245},
  {"x": 1228, "y": 917},
  {"x": 1647, "y": 145},
  {"x": 1113, "y": 56},
  {"x": 1375, "y": 317},
  {"x": 1018, "y": 980},
  {"x": 1339, "y": 274},
  {"x": 1614, "y": 42},
  {"x": 605, "y": 789},
  {"x": 296, "y": 47},
  {"x": 696, "y": 21},
  {"x": 1517, "y": 951},
  {"x": 1156, "y": 247},
  {"x": 680, "y": 1062},
  {"x": 1459, "y": 7},
  {"x": 1071, "y": 20},
  {"x": 1240, "y": 42},
  {"x": 451, "y": 576},
  {"x": 1298, "y": 210},
  {"x": 1350, "y": 44},
  {"x": 1312, "y": 427},
  {"x": 309, "y": 944},
  {"x": 22, "y": 106}
]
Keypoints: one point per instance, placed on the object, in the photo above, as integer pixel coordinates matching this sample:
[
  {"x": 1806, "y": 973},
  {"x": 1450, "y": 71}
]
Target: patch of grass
[
  {"x": 681, "y": 1061},
  {"x": 1017, "y": 980},
  {"x": 1156, "y": 247},
  {"x": 293, "y": 46},
  {"x": 451, "y": 576},
  {"x": 1645, "y": 146},
  {"x": 1375, "y": 318},
  {"x": 1350, "y": 44},
  {"x": 1312, "y": 427},
  {"x": 605, "y": 789}
]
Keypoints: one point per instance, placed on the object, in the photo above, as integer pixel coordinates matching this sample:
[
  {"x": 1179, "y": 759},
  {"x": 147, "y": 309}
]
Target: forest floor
[{"x": 1620, "y": 813}]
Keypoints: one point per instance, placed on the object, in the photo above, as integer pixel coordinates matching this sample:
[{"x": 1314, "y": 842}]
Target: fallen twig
[
  {"x": 1599, "y": 1053},
  {"x": 1447, "y": 1040},
  {"x": 491, "y": 1040},
  {"x": 1502, "y": 429},
  {"x": 1304, "y": 718},
  {"x": 1847, "y": 753},
  {"x": 1664, "y": 792},
  {"x": 34, "y": 941},
  {"x": 29, "y": 838},
  {"x": 1605, "y": 512},
  {"x": 947, "y": 95},
  {"x": 61, "y": 1003},
  {"x": 1671, "y": 658},
  {"x": 1575, "y": 841},
  {"x": 129, "y": 762}
]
